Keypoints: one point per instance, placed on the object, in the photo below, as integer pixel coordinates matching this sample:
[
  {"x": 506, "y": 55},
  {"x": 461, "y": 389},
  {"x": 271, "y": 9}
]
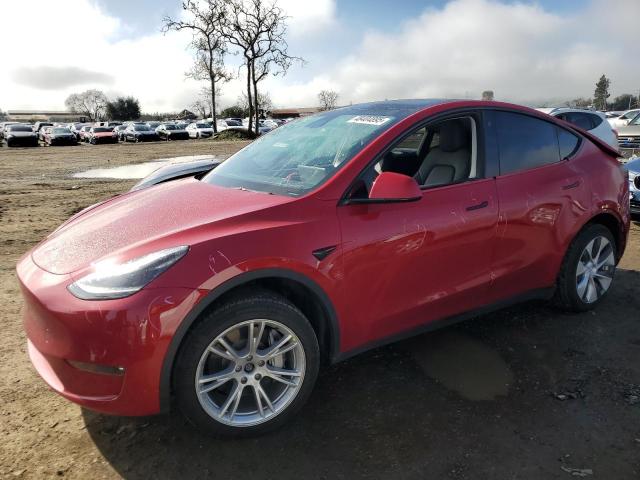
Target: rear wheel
[
  {"x": 588, "y": 269},
  {"x": 247, "y": 367}
]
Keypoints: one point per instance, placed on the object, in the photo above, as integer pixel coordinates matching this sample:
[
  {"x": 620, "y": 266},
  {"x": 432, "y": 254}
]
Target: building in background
[{"x": 44, "y": 116}]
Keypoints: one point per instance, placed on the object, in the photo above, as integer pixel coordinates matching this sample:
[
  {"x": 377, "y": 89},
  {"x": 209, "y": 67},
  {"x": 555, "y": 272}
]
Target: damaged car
[{"x": 222, "y": 296}]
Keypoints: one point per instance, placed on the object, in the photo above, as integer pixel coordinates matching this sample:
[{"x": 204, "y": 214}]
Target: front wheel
[
  {"x": 588, "y": 269},
  {"x": 247, "y": 367}
]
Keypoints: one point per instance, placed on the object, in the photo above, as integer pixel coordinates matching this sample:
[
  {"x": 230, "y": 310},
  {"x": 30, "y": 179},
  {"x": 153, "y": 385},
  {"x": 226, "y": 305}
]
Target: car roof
[{"x": 558, "y": 110}]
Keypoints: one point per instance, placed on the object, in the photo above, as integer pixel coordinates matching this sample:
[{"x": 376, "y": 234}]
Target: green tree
[
  {"x": 624, "y": 102},
  {"x": 602, "y": 93},
  {"x": 235, "y": 111},
  {"x": 123, "y": 108}
]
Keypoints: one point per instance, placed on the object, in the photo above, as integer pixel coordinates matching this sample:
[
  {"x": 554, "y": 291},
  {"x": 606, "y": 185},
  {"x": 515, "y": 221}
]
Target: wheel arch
[
  {"x": 302, "y": 291},
  {"x": 614, "y": 224}
]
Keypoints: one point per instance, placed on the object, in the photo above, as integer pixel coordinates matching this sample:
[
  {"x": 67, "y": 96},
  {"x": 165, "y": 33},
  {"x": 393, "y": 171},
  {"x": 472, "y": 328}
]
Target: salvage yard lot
[{"x": 528, "y": 392}]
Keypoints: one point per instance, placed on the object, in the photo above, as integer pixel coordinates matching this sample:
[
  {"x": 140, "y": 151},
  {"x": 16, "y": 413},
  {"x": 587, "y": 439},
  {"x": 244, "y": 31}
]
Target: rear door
[{"x": 542, "y": 193}]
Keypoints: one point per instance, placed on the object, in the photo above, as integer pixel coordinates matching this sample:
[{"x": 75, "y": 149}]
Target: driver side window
[{"x": 435, "y": 155}]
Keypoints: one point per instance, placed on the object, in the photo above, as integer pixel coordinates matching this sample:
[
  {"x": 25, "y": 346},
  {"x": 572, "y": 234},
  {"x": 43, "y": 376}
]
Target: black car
[
  {"x": 20, "y": 135},
  {"x": 170, "y": 131},
  {"x": 139, "y": 132},
  {"x": 59, "y": 136}
]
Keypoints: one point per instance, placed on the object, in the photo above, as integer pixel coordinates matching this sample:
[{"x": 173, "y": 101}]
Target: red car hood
[
  {"x": 102, "y": 134},
  {"x": 143, "y": 216}
]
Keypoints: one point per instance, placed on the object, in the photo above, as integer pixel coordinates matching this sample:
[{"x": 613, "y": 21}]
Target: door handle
[
  {"x": 575, "y": 184},
  {"x": 478, "y": 206}
]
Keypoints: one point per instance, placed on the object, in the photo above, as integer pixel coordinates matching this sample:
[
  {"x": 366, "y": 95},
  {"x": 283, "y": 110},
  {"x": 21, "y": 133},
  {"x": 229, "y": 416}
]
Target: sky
[{"x": 534, "y": 52}]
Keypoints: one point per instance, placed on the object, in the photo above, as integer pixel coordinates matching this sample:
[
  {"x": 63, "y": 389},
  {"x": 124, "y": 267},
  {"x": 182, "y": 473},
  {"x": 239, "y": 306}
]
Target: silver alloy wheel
[
  {"x": 595, "y": 269},
  {"x": 250, "y": 373}
]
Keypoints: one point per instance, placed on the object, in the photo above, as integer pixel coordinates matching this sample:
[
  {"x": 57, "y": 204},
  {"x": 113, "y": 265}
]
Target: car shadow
[{"x": 476, "y": 400}]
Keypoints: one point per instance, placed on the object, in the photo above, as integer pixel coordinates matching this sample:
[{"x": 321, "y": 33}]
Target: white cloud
[{"x": 521, "y": 51}]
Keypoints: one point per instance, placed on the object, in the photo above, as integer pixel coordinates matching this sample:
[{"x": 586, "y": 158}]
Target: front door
[{"x": 409, "y": 263}]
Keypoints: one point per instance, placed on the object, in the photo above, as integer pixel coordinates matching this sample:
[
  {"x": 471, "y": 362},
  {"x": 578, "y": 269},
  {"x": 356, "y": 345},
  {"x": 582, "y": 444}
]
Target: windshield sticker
[{"x": 369, "y": 120}]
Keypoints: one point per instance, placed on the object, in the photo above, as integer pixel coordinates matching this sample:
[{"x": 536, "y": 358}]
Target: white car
[
  {"x": 590, "y": 120},
  {"x": 624, "y": 119},
  {"x": 200, "y": 130}
]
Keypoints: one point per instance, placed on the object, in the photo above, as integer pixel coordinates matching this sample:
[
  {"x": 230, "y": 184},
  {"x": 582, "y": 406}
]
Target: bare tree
[
  {"x": 264, "y": 102},
  {"x": 206, "y": 23},
  {"x": 257, "y": 28},
  {"x": 202, "y": 104},
  {"x": 328, "y": 99},
  {"x": 92, "y": 104}
]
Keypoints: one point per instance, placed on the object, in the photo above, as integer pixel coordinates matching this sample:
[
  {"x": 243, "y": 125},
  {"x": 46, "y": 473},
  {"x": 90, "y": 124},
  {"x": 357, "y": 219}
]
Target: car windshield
[
  {"x": 101, "y": 129},
  {"x": 170, "y": 127},
  {"x": 635, "y": 121},
  {"x": 298, "y": 157},
  {"x": 61, "y": 131},
  {"x": 203, "y": 125},
  {"x": 141, "y": 128},
  {"x": 20, "y": 128}
]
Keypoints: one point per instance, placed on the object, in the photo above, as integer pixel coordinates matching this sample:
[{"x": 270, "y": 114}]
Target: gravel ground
[{"x": 526, "y": 393}]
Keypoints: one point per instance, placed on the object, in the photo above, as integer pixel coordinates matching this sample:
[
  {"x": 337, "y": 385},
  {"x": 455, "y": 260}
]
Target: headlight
[{"x": 112, "y": 280}]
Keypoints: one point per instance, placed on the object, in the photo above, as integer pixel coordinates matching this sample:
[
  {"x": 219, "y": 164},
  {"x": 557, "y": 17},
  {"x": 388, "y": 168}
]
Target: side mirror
[{"x": 395, "y": 187}]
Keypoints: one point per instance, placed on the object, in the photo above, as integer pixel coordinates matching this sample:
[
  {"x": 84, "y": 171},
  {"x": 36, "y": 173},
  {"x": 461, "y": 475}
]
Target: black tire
[
  {"x": 566, "y": 295},
  {"x": 259, "y": 305}
]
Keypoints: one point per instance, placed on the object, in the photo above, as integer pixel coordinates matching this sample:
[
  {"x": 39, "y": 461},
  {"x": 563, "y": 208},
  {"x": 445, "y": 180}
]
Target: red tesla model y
[{"x": 333, "y": 234}]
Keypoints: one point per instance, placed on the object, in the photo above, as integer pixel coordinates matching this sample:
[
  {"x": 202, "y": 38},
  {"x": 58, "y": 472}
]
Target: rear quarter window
[
  {"x": 568, "y": 143},
  {"x": 525, "y": 142}
]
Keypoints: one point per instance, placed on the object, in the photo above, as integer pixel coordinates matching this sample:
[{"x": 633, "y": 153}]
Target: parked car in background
[
  {"x": 5, "y": 125},
  {"x": 170, "y": 131},
  {"x": 84, "y": 133},
  {"x": 223, "y": 296},
  {"x": 139, "y": 132},
  {"x": 119, "y": 129},
  {"x": 233, "y": 122},
  {"x": 20, "y": 135},
  {"x": 629, "y": 135},
  {"x": 623, "y": 119},
  {"x": 590, "y": 120},
  {"x": 176, "y": 171},
  {"x": 101, "y": 135},
  {"x": 613, "y": 114},
  {"x": 153, "y": 124},
  {"x": 38, "y": 126},
  {"x": 633, "y": 167},
  {"x": 59, "y": 136},
  {"x": 75, "y": 129},
  {"x": 200, "y": 130}
]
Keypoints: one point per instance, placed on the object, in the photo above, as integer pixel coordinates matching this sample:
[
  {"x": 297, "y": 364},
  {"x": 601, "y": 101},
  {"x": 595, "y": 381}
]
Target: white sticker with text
[{"x": 369, "y": 120}]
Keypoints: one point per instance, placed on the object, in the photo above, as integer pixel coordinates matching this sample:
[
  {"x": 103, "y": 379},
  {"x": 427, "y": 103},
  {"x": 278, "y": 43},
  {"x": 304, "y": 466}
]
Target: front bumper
[
  {"x": 63, "y": 141},
  {"x": 22, "y": 141},
  {"x": 178, "y": 136},
  {"x": 132, "y": 334},
  {"x": 110, "y": 139}
]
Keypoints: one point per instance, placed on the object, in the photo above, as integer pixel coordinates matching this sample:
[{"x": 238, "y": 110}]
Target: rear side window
[
  {"x": 525, "y": 142},
  {"x": 580, "y": 120}
]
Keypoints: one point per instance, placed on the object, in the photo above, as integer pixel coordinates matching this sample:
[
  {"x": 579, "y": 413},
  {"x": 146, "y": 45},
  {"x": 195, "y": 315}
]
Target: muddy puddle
[
  {"x": 139, "y": 170},
  {"x": 462, "y": 364}
]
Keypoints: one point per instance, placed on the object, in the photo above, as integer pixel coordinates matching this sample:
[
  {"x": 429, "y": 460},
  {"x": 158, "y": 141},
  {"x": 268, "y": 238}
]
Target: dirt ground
[{"x": 527, "y": 393}]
